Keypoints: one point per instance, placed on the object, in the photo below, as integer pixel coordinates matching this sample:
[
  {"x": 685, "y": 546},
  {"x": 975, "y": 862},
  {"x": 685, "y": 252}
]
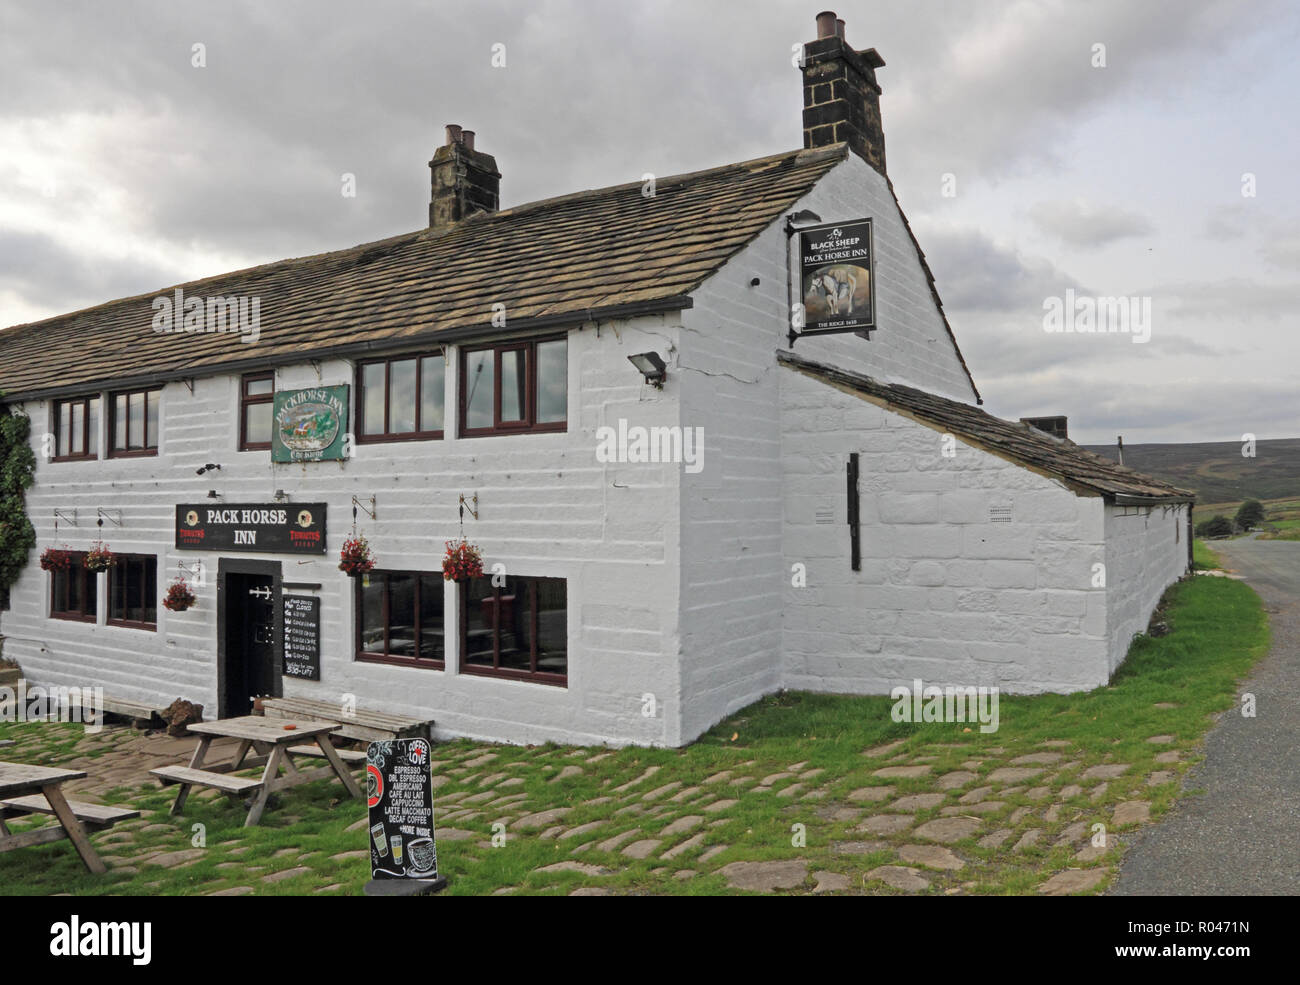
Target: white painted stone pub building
[{"x": 627, "y": 579}]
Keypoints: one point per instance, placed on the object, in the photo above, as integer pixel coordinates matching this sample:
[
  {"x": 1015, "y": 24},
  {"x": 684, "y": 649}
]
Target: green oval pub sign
[{"x": 310, "y": 425}]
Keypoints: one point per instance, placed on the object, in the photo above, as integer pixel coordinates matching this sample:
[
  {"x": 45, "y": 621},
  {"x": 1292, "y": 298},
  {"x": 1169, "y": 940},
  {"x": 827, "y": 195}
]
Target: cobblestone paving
[{"x": 908, "y": 818}]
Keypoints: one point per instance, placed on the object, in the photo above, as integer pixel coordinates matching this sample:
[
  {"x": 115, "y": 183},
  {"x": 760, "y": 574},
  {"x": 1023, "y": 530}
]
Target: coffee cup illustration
[{"x": 423, "y": 856}]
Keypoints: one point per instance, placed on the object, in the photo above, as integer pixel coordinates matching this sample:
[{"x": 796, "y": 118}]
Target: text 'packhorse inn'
[{"x": 712, "y": 439}]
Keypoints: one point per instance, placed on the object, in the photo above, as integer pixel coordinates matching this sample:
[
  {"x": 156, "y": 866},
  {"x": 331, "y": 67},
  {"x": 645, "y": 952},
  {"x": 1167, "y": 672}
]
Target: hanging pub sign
[
  {"x": 309, "y": 425},
  {"x": 302, "y": 637},
  {"x": 399, "y": 776},
  {"x": 267, "y": 528},
  {"x": 836, "y": 274}
]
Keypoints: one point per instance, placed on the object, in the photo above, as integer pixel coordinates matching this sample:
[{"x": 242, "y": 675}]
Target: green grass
[
  {"x": 1218, "y": 630},
  {"x": 1204, "y": 559}
]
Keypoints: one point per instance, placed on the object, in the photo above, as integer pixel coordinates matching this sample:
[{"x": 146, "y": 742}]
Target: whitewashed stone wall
[
  {"x": 944, "y": 594},
  {"x": 1146, "y": 550},
  {"x": 733, "y": 571},
  {"x": 546, "y": 507}
]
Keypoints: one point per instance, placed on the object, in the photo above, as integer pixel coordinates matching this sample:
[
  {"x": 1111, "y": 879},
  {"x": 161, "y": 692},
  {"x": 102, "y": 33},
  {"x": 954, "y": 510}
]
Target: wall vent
[
  {"x": 999, "y": 514},
  {"x": 825, "y": 515}
]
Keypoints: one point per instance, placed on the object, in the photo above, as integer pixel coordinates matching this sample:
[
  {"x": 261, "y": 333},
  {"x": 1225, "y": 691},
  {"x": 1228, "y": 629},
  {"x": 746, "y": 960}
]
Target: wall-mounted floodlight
[
  {"x": 651, "y": 366},
  {"x": 207, "y": 468}
]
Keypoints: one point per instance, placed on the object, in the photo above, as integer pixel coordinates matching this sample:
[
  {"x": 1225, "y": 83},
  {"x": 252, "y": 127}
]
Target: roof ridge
[{"x": 1103, "y": 475}]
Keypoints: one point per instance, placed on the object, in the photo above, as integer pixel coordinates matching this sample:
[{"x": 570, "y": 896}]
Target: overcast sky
[{"x": 126, "y": 168}]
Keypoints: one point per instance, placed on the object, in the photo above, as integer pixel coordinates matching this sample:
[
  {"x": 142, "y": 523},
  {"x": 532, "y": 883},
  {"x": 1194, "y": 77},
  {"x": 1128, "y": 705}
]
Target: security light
[
  {"x": 651, "y": 366},
  {"x": 207, "y": 468}
]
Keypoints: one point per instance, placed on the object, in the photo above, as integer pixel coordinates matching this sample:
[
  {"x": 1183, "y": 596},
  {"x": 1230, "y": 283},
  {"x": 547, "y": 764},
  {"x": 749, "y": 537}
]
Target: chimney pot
[
  {"x": 841, "y": 97},
  {"x": 464, "y": 180}
]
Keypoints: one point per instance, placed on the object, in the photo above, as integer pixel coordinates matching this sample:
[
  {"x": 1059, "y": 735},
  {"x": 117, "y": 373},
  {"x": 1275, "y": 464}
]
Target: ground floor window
[
  {"x": 133, "y": 591},
  {"x": 518, "y": 630},
  {"x": 74, "y": 592},
  {"x": 400, "y": 618}
]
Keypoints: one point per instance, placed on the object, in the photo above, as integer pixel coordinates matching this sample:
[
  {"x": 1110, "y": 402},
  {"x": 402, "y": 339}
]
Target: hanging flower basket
[
  {"x": 462, "y": 562},
  {"x": 99, "y": 557},
  {"x": 179, "y": 595},
  {"x": 56, "y": 559},
  {"x": 356, "y": 557}
]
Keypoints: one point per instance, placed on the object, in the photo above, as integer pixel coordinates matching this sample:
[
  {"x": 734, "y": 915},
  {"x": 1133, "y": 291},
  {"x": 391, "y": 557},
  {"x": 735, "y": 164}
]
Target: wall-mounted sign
[
  {"x": 309, "y": 425},
  {"x": 399, "y": 776},
  {"x": 265, "y": 528},
  {"x": 837, "y": 277},
  {"x": 302, "y": 637}
]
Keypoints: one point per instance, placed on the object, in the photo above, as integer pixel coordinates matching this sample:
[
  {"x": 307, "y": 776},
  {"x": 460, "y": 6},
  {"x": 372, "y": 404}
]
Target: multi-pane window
[
  {"x": 518, "y": 630},
  {"x": 401, "y": 398},
  {"x": 256, "y": 396},
  {"x": 400, "y": 619},
  {"x": 74, "y": 592},
  {"x": 516, "y": 386},
  {"x": 133, "y": 591},
  {"x": 133, "y": 422},
  {"x": 76, "y": 428}
]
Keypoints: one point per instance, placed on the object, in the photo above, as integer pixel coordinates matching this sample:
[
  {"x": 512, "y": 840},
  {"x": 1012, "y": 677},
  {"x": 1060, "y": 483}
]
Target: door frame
[{"x": 227, "y": 566}]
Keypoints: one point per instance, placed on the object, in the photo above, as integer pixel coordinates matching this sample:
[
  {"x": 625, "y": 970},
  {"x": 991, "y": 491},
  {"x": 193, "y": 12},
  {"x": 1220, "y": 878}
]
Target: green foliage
[
  {"x": 1217, "y": 526},
  {"x": 17, "y": 468},
  {"x": 1250, "y": 514},
  {"x": 1204, "y": 559}
]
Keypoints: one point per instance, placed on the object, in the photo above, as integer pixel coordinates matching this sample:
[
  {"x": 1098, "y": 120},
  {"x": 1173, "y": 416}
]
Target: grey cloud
[
  {"x": 1079, "y": 223},
  {"x": 47, "y": 273}
]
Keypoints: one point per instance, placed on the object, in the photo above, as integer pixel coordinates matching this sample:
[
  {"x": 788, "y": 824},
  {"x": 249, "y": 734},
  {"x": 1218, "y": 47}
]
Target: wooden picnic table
[
  {"x": 19, "y": 779},
  {"x": 276, "y": 742}
]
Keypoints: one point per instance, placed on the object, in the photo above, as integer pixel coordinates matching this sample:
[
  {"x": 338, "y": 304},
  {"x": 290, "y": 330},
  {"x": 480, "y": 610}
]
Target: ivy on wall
[{"x": 17, "y": 468}]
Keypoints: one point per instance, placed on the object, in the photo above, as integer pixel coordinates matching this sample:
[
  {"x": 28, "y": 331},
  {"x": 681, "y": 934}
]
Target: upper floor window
[
  {"x": 401, "y": 398},
  {"x": 133, "y": 591},
  {"x": 76, "y": 428},
  {"x": 256, "y": 394},
  {"x": 133, "y": 422},
  {"x": 514, "y": 386},
  {"x": 74, "y": 591}
]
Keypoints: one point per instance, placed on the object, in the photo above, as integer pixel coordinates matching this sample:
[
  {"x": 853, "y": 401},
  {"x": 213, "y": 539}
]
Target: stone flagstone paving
[{"x": 935, "y": 818}]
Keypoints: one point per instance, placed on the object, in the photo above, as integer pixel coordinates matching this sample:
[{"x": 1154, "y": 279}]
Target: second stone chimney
[
  {"x": 464, "y": 180},
  {"x": 841, "y": 98}
]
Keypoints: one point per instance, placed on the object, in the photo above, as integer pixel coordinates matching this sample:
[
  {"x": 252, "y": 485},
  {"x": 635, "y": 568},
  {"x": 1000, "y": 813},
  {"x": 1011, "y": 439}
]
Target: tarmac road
[{"x": 1241, "y": 837}]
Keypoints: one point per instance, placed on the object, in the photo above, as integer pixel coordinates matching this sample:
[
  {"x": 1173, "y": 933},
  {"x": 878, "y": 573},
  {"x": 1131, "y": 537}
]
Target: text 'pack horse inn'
[{"x": 852, "y": 520}]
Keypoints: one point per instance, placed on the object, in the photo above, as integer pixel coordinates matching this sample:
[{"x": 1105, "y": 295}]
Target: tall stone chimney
[
  {"x": 841, "y": 98},
  {"x": 465, "y": 181}
]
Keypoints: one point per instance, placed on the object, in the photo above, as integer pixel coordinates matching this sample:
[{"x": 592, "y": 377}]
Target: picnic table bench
[
  {"x": 273, "y": 743},
  {"x": 35, "y": 790},
  {"x": 361, "y": 726}
]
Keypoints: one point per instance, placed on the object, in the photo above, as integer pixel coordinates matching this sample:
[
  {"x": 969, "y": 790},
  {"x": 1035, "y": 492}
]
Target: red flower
[
  {"x": 356, "y": 558},
  {"x": 179, "y": 596},
  {"x": 462, "y": 561}
]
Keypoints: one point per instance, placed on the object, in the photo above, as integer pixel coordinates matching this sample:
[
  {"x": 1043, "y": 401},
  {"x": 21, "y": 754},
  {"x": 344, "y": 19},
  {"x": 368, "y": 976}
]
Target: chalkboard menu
[
  {"x": 302, "y": 637},
  {"x": 400, "y": 796}
]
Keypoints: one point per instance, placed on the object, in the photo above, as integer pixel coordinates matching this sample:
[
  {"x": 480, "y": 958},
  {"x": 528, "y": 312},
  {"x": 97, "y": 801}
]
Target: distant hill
[{"x": 1216, "y": 470}]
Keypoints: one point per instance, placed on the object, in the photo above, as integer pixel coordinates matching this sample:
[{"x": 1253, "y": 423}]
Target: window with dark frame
[
  {"x": 133, "y": 423},
  {"x": 133, "y": 591},
  {"x": 76, "y": 429},
  {"x": 74, "y": 592},
  {"x": 399, "y": 619},
  {"x": 519, "y": 630},
  {"x": 401, "y": 398},
  {"x": 256, "y": 402},
  {"x": 514, "y": 387}
]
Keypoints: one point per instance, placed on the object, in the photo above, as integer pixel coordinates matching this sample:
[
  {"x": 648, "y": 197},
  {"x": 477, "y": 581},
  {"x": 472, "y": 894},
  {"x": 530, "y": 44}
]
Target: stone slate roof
[
  {"x": 1082, "y": 471},
  {"x": 606, "y": 253}
]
